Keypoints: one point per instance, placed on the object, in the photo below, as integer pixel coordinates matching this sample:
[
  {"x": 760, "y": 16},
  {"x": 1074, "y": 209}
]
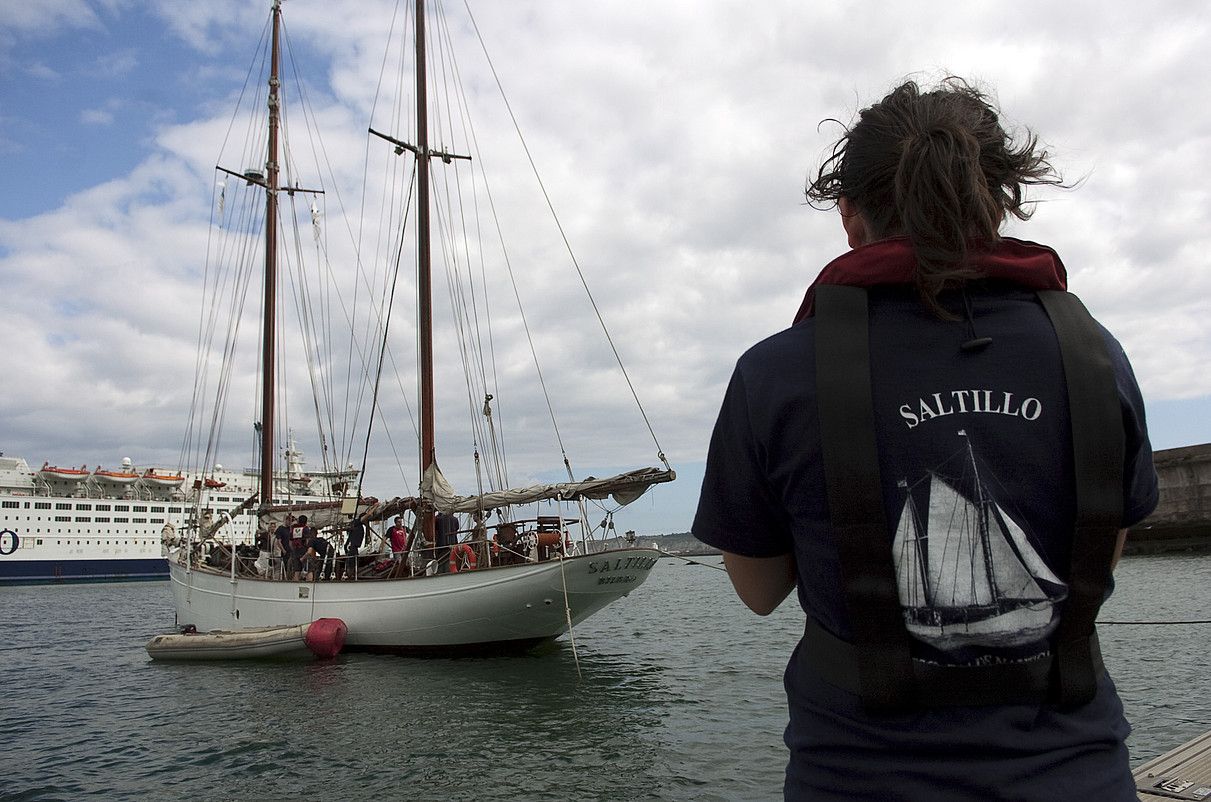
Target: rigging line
[
  {"x": 198, "y": 361},
  {"x": 309, "y": 331},
  {"x": 457, "y": 313},
  {"x": 326, "y": 168},
  {"x": 386, "y": 325},
  {"x": 563, "y": 235},
  {"x": 306, "y": 315},
  {"x": 354, "y": 343},
  {"x": 522, "y": 314},
  {"x": 209, "y": 325},
  {"x": 206, "y": 328},
  {"x": 516, "y": 291},
  {"x": 470, "y": 332},
  {"x": 374, "y": 323},
  {"x": 496, "y": 441},
  {"x": 458, "y": 309},
  {"x": 312, "y": 332},
  {"x": 383, "y": 210},
  {"x": 242, "y": 276},
  {"x": 261, "y": 51}
]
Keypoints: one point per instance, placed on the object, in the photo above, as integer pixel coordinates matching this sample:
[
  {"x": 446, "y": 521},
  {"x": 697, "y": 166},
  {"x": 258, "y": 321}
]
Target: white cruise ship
[{"x": 79, "y": 525}]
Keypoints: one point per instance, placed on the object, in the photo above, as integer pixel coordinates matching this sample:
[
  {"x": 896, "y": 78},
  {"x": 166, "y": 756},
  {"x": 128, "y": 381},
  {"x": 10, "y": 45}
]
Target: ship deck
[{"x": 1183, "y": 773}]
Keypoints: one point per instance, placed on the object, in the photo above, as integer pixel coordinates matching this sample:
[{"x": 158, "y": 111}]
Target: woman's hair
[{"x": 938, "y": 168}]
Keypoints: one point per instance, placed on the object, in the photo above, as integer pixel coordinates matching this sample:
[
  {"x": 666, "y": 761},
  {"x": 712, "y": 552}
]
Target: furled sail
[{"x": 623, "y": 488}]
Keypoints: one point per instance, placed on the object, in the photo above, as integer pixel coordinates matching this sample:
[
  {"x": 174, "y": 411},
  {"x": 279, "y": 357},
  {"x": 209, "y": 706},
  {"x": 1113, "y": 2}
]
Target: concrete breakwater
[{"x": 1182, "y": 520}]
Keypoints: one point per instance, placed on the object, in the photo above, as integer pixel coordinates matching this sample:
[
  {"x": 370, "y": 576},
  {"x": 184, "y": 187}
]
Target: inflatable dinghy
[{"x": 324, "y": 637}]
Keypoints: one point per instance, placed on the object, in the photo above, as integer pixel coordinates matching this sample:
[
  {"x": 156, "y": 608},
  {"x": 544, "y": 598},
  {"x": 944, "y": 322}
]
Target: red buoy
[{"x": 326, "y": 637}]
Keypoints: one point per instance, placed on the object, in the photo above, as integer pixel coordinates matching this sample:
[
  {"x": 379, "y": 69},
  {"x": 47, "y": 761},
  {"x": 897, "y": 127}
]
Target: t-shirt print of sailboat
[{"x": 967, "y": 573}]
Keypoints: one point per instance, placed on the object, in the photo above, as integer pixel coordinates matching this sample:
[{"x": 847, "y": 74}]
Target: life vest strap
[
  {"x": 887, "y": 677},
  {"x": 1098, "y": 452},
  {"x": 1024, "y": 682},
  {"x": 855, "y": 496}
]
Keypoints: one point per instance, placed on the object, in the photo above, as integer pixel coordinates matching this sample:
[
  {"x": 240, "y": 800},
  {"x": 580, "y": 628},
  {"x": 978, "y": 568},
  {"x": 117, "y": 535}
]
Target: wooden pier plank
[{"x": 1188, "y": 763}]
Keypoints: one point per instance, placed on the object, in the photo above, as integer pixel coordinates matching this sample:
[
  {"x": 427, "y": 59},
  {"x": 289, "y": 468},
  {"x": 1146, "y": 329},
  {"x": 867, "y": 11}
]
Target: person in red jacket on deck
[{"x": 398, "y": 536}]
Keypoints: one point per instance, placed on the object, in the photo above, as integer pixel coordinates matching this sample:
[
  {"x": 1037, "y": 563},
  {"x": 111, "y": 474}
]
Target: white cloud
[
  {"x": 96, "y": 117},
  {"x": 45, "y": 16},
  {"x": 42, "y": 72}
]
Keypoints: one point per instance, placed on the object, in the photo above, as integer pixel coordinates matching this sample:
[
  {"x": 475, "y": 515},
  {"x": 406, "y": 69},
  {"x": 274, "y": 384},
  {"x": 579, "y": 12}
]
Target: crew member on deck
[
  {"x": 316, "y": 557},
  {"x": 281, "y": 545},
  {"x": 355, "y": 535},
  {"x": 300, "y": 535},
  {"x": 398, "y": 536},
  {"x": 446, "y": 533}
]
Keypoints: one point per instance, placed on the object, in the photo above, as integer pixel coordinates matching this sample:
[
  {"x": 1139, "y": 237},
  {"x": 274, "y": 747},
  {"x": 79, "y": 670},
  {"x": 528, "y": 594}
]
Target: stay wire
[{"x": 563, "y": 235}]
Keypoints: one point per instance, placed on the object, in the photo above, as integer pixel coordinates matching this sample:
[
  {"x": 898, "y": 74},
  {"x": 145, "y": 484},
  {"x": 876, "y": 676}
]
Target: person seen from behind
[
  {"x": 942, "y": 456},
  {"x": 315, "y": 558},
  {"x": 281, "y": 545},
  {"x": 300, "y": 535},
  {"x": 355, "y": 535}
]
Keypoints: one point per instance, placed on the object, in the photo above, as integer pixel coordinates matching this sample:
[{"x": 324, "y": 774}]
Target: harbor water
[{"x": 673, "y": 693}]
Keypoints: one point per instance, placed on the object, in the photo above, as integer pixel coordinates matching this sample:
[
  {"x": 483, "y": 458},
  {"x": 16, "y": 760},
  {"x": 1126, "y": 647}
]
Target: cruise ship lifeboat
[
  {"x": 63, "y": 474},
  {"x": 162, "y": 479},
  {"x": 115, "y": 477}
]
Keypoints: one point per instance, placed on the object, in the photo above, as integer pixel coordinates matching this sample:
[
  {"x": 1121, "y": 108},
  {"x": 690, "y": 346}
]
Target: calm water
[{"x": 679, "y": 698}]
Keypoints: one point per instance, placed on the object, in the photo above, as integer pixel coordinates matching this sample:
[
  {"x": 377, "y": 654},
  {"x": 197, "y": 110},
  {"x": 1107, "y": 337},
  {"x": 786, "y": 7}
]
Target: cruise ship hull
[{"x": 40, "y": 572}]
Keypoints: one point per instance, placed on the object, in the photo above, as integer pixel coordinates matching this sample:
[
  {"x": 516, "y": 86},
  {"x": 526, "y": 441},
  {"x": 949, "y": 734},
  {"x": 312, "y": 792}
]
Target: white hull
[
  {"x": 241, "y": 645},
  {"x": 510, "y": 605},
  {"x": 1026, "y": 624}
]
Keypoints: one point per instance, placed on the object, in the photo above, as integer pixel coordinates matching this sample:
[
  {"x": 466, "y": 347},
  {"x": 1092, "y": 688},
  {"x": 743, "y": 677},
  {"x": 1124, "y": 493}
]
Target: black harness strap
[
  {"x": 887, "y": 677},
  {"x": 1022, "y": 682},
  {"x": 1097, "y": 451},
  {"x": 855, "y": 497}
]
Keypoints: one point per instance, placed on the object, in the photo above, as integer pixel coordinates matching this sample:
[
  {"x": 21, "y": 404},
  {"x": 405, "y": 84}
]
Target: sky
[{"x": 673, "y": 139}]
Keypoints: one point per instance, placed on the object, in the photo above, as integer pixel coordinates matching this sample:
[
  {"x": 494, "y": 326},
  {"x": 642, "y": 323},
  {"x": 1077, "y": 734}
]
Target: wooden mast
[
  {"x": 267, "y": 337},
  {"x": 423, "y": 271}
]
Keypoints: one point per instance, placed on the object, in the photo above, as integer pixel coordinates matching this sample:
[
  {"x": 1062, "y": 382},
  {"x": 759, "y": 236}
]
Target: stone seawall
[{"x": 1182, "y": 520}]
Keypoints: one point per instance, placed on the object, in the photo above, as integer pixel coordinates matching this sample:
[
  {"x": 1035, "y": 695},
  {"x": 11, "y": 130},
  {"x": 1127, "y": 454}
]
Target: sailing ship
[
  {"x": 516, "y": 579},
  {"x": 966, "y": 571}
]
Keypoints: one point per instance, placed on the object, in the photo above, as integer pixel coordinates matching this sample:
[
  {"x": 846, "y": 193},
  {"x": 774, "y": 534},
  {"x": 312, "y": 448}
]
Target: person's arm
[
  {"x": 1118, "y": 548},
  {"x": 761, "y": 582}
]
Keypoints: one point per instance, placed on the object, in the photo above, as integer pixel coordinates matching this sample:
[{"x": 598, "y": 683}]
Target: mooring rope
[
  {"x": 567, "y": 611},
  {"x": 693, "y": 562},
  {"x": 1151, "y": 623}
]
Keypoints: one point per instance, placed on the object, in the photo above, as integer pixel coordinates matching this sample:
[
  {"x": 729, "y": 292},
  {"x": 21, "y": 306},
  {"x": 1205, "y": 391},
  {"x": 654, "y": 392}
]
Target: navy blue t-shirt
[{"x": 978, "y": 488}]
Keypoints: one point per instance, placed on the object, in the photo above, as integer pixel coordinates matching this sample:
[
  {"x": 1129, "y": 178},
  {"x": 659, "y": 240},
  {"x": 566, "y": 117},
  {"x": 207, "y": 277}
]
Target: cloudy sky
[{"x": 673, "y": 139}]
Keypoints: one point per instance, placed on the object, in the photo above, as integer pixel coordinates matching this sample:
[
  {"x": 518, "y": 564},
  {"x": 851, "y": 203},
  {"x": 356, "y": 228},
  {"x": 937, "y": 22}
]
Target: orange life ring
[{"x": 462, "y": 558}]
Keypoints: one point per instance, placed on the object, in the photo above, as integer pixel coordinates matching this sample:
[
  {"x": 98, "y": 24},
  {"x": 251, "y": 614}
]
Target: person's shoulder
[{"x": 776, "y": 348}]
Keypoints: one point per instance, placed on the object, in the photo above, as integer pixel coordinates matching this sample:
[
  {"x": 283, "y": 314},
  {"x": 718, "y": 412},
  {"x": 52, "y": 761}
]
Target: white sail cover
[
  {"x": 321, "y": 515},
  {"x": 623, "y": 488}
]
